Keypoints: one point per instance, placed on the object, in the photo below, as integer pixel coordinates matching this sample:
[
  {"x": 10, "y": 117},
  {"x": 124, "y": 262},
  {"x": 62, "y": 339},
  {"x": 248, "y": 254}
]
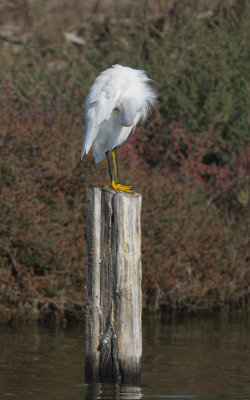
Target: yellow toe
[
  {"x": 114, "y": 186},
  {"x": 120, "y": 187}
]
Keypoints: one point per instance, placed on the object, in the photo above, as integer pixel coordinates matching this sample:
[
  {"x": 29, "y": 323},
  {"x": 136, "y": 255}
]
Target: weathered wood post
[{"x": 113, "y": 294}]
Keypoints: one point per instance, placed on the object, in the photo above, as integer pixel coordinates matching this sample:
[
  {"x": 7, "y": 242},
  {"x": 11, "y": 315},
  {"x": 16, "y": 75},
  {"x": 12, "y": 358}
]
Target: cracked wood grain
[{"x": 113, "y": 293}]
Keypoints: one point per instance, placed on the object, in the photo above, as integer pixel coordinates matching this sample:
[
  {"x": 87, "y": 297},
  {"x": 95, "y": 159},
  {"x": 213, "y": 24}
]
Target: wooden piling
[{"x": 113, "y": 292}]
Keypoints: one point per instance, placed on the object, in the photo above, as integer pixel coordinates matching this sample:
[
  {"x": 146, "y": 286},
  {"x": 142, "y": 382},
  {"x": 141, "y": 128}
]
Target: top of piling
[{"x": 110, "y": 190}]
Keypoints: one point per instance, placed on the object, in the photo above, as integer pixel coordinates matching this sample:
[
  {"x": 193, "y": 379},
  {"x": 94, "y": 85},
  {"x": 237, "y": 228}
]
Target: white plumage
[{"x": 119, "y": 98}]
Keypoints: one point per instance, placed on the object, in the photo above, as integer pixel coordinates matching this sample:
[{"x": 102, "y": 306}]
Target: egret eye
[{"x": 117, "y": 110}]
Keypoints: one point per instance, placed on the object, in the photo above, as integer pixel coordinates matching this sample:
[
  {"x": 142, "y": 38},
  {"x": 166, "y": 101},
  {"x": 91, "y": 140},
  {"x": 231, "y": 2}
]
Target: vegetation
[{"x": 191, "y": 162}]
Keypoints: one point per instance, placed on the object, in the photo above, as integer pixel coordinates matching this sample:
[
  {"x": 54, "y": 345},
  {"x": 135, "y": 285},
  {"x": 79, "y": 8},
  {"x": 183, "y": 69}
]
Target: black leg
[{"x": 109, "y": 163}]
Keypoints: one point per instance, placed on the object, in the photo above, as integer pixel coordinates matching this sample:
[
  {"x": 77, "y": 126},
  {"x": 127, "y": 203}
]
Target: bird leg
[
  {"x": 117, "y": 179},
  {"x": 109, "y": 163},
  {"x": 115, "y": 184}
]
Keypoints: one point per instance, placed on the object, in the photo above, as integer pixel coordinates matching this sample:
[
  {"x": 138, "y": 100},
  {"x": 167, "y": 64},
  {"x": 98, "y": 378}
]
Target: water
[{"x": 190, "y": 359}]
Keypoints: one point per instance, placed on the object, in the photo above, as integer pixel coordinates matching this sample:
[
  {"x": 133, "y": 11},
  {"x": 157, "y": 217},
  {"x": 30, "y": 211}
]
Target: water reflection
[
  {"x": 112, "y": 391},
  {"x": 205, "y": 358}
]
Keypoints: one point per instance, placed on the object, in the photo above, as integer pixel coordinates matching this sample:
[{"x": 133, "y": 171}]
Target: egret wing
[{"x": 100, "y": 103}]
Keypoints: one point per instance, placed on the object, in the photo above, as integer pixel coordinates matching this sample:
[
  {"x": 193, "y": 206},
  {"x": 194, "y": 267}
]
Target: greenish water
[{"x": 188, "y": 359}]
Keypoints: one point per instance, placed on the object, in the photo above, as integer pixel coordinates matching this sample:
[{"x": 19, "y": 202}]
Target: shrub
[{"x": 190, "y": 162}]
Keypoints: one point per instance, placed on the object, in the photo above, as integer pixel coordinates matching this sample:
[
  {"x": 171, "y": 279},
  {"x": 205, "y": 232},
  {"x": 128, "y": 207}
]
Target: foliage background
[{"x": 190, "y": 161}]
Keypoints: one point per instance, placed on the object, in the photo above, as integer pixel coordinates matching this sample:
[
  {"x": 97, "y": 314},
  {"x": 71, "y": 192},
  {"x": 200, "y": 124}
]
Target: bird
[{"x": 118, "y": 100}]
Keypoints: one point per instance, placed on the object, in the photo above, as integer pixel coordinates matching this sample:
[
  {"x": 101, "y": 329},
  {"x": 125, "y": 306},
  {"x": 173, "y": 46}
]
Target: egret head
[{"x": 129, "y": 110}]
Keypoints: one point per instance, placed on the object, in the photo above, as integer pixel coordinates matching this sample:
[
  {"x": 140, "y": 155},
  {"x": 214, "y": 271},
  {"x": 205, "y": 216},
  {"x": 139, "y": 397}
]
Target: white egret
[{"x": 119, "y": 98}]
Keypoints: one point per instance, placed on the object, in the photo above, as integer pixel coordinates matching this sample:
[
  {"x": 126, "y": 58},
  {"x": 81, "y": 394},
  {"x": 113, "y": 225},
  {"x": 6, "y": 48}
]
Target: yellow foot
[{"x": 120, "y": 187}]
